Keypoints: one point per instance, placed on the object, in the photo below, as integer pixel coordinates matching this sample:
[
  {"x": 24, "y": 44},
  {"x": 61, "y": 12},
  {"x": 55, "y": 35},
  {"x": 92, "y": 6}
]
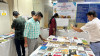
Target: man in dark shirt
[{"x": 18, "y": 25}]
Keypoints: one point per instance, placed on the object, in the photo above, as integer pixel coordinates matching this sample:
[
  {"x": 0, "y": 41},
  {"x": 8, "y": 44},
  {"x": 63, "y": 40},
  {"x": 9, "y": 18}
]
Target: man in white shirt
[{"x": 93, "y": 29}]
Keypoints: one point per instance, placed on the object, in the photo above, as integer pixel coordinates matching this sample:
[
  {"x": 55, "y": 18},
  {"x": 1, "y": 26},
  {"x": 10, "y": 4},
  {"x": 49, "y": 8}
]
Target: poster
[
  {"x": 65, "y": 10},
  {"x": 83, "y": 9},
  {"x": 3, "y": 12},
  {"x": 62, "y": 22},
  {"x": 92, "y": 0},
  {"x": 62, "y": 0}
]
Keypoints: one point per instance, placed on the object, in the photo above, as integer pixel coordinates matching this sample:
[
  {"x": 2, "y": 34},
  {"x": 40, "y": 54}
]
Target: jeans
[
  {"x": 95, "y": 48},
  {"x": 20, "y": 45}
]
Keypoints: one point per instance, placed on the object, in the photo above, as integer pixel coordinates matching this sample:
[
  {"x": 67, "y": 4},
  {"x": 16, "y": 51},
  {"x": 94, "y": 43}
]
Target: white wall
[
  {"x": 24, "y": 7},
  {"x": 38, "y": 5},
  {"x": 4, "y": 20}
]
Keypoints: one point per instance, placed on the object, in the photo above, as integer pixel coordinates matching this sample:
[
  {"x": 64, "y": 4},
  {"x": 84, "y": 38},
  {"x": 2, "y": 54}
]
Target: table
[
  {"x": 8, "y": 48},
  {"x": 78, "y": 48},
  {"x": 36, "y": 51},
  {"x": 68, "y": 33}
]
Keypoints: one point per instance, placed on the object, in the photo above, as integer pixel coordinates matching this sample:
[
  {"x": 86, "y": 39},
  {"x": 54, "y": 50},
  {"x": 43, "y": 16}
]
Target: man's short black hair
[
  {"x": 15, "y": 13},
  {"x": 33, "y": 13},
  {"x": 39, "y": 14},
  {"x": 92, "y": 13}
]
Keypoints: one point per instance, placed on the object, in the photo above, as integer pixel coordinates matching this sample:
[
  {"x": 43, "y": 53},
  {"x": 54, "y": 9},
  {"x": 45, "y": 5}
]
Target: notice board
[{"x": 84, "y": 8}]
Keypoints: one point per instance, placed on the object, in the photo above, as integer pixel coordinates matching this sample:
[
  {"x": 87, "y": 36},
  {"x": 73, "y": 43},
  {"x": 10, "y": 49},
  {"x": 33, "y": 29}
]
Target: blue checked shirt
[{"x": 32, "y": 29}]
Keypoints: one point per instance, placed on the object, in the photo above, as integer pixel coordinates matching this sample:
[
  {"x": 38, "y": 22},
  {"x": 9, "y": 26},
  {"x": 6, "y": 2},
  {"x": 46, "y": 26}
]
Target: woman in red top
[{"x": 52, "y": 25}]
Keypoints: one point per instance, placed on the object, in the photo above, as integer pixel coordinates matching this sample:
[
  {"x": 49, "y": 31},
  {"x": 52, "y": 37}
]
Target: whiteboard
[
  {"x": 4, "y": 20},
  {"x": 62, "y": 21}
]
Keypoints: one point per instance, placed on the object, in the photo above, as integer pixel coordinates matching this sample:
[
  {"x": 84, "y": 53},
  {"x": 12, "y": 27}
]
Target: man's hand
[
  {"x": 25, "y": 45},
  {"x": 43, "y": 40},
  {"x": 72, "y": 25},
  {"x": 76, "y": 29}
]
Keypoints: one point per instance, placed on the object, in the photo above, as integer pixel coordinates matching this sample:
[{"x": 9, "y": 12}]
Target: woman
[{"x": 52, "y": 25}]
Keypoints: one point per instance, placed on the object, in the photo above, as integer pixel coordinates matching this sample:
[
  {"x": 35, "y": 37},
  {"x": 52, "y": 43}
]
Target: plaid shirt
[{"x": 32, "y": 29}]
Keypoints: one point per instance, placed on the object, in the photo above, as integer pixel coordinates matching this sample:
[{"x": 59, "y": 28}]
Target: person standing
[
  {"x": 32, "y": 32},
  {"x": 18, "y": 25},
  {"x": 32, "y": 14},
  {"x": 53, "y": 25},
  {"x": 93, "y": 29}
]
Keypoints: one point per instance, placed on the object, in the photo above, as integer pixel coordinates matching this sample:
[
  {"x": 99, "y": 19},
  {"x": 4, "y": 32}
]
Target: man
[
  {"x": 18, "y": 25},
  {"x": 32, "y": 14},
  {"x": 32, "y": 32},
  {"x": 93, "y": 28}
]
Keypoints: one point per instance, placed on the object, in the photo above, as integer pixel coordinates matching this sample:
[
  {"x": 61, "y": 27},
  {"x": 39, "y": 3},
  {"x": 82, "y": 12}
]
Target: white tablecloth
[
  {"x": 35, "y": 52},
  {"x": 8, "y": 48},
  {"x": 68, "y": 33}
]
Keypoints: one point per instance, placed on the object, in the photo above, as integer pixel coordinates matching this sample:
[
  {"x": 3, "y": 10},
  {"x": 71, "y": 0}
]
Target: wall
[
  {"x": 24, "y": 7},
  {"x": 45, "y": 6},
  {"x": 38, "y": 5},
  {"x": 4, "y": 20}
]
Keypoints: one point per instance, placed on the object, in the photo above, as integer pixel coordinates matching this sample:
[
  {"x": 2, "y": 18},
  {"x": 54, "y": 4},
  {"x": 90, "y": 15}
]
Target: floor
[{"x": 26, "y": 49}]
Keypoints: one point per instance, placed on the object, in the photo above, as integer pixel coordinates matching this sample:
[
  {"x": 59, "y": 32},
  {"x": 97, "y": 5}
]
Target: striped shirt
[{"x": 32, "y": 29}]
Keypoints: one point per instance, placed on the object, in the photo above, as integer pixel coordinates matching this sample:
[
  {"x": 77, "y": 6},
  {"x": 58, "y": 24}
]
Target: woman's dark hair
[
  {"x": 92, "y": 13},
  {"x": 54, "y": 16}
]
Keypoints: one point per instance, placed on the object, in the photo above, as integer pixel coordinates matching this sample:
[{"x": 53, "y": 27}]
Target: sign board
[
  {"x": 84, "y": 8},
  {"x": 65, "y": 10},
  {"x": 62, "y": 22}
]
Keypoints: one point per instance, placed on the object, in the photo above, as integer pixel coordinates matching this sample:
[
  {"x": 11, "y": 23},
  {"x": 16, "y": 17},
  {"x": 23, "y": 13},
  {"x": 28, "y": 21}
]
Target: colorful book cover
[
  {"x": 48, "y": 54},
  {"x": 82, "y": 53},
  {"x": 50, "y": 48},
  {"x": 58, "y": 54},
  {"x": 80, "y": 49},
  {"x": 65, "y": 51},
  {"x": 44, "y": 43},
  {"x": 90, "y": 53},
  {"x": 43, "y": 48},
  {"x": 72, "y": 52}
]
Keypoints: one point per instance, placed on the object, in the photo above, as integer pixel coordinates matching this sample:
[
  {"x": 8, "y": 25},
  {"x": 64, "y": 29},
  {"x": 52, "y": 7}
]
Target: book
[
  {"x": 39, "y": 54},
  {"x": 80, "y": 49},
  {"x": 48, "y": 53},
  {"x": 90, "y": 53},
  {"x": 72, "y": 52},
  {"x": 72, "y": 47},
  {"x": 82, "y": 53},
  {"x": 50, "y": 48},
  {"x": 44, "y": 43},
  {"x": 65, "y": 51},
  {"x": 43, "y": 48},
  {"x": 58, "y": 54},
  {"x": 87, "y": 49},
  {"x": 55, "y": 39},
  {"x": 64, "y": 46}
]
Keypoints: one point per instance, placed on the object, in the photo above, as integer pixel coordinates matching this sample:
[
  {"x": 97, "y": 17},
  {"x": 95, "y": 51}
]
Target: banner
[{"x": 65, "y": 10}]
